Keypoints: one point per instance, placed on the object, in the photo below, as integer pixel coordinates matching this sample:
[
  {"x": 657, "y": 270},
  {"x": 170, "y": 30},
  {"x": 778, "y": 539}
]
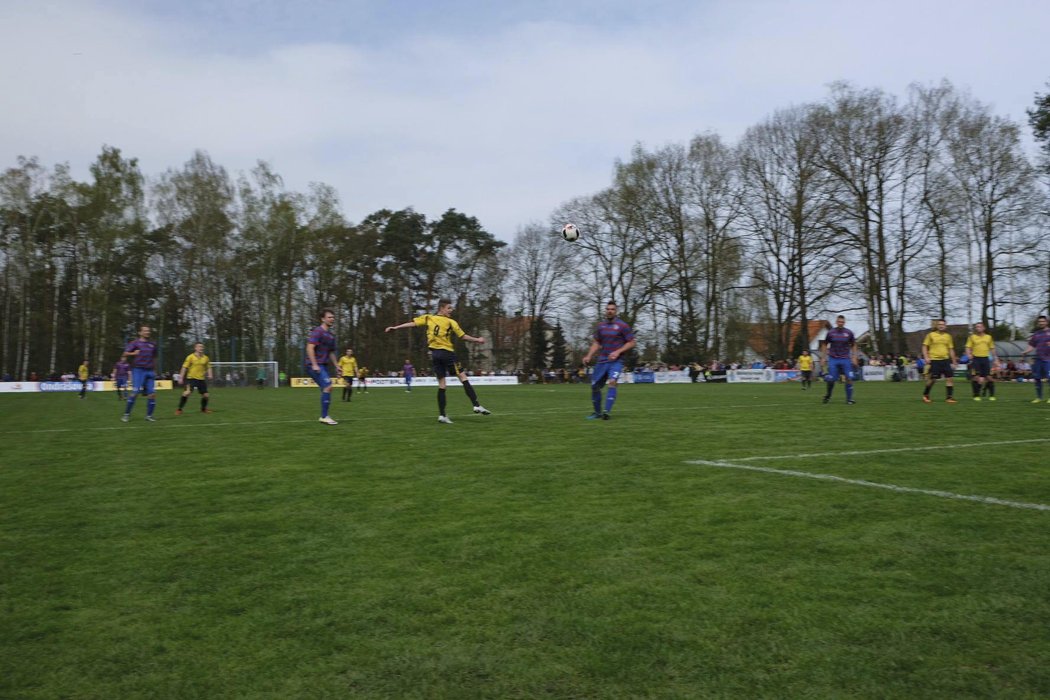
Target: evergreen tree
[
  {"x": 538, "y": 343},
  {"x": 559, "y": 348}
]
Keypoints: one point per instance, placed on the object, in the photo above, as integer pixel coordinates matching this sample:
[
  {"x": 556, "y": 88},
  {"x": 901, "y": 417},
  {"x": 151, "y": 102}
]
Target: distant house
[{"x": 761, "y": 338}]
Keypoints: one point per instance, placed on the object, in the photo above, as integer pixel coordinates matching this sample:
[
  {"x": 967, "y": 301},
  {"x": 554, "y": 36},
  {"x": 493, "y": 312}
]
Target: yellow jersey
[
  {"x": 439, "y": 330},
  {"x": 82, "y": 372},
  {"x": 348, "y": 366},
  {"x": 980, "y": 345},
  {"x": 939, "y": 344},
  {"x": 195, "y": 367},
  {"x": 805, "y": 362}
]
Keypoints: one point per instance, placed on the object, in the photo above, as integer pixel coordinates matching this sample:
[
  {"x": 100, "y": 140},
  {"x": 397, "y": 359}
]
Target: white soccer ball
[{"x": 569, "y": 232}]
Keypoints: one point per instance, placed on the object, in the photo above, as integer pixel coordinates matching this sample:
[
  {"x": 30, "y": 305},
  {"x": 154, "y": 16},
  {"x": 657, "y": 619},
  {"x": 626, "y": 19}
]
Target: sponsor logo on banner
[
  {"x": 643, "y": 377},
  {"x": 63, "y": 386},
  {"x": 875, "y": 374},
  {"x": 750, "y": 376},
  {"x": 673, "y": 377},
  {"x": 787, "y": 375},
  {"x": 306, "y": 382}
]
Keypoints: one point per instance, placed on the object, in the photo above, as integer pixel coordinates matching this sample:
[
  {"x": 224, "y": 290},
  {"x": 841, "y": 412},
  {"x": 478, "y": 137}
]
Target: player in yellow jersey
[
  {"x": 82, "y": 375},
  {"x": 805, "y": 366},
  {"x": 195, "y": 368},
  {"x": 938, "y": 349},
  {"x": 348, "y": 370},
  {"x": 440, "y": 328},
  {"x": 981, "y": 348}
]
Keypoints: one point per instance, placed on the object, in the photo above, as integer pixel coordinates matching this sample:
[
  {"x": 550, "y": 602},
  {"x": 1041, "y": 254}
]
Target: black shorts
[
  {"x": 444, "y": 363},
  {"x": 199, "y": 384},
  {"x": 981, "y": 366},
  {"x": 941, "y": 368},
  {"x": 807, "y": 374}
]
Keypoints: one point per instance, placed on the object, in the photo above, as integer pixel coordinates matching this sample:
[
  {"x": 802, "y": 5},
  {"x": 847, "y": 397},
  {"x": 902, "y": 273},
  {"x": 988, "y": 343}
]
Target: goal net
[{"x": 257, "y": 374}]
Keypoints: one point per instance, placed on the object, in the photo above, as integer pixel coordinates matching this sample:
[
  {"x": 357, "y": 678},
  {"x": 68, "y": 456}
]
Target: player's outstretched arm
[
  {"x": 473, "y": 339},
  {"x": 406, "y": 324}
]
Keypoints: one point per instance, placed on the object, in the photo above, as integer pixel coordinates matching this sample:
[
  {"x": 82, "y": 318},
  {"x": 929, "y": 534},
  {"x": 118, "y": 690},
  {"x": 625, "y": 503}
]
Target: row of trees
[
  {"x": 891, "y": 210},
  {"x": 242, "y": 263}
]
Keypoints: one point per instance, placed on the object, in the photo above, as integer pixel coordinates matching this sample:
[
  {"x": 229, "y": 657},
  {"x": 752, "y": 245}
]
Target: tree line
[{"x": 890, "y": 210}]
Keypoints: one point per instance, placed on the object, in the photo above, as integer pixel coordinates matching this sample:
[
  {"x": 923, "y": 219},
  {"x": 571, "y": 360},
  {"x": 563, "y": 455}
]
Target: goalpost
[{"x": 245, "y": 374}]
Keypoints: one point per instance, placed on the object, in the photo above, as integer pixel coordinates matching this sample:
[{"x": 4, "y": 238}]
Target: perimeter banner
[
  {"x": 66, "y": 387},
  {"x": 306, "y": 382}
]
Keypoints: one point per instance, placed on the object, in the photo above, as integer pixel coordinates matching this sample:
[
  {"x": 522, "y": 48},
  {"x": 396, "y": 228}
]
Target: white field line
[
  {"x": 871, "y": 484},
  {"x": 887, "y": 450}
]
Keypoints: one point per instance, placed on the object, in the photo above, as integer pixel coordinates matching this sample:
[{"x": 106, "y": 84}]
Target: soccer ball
[{"x": 569, "y": 232}]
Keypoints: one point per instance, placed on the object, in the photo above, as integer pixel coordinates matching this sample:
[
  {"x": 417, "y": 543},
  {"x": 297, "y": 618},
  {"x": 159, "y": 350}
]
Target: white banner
[
  {"x": 65, "y": 387},
  {"x": 680, "y": 376},
  {"x": 876, "y": 374},
  {"x": 7, "y": 387},
  {"x": 302, "y": 382},
  {"x": 750, "y": 375}
]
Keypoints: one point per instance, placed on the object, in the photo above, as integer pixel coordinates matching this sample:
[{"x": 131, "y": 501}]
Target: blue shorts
[
  {"x": 840, "y": 366},
  {"x": 604, "y": 371},
  {"x": 122, "y": 382},
  {"x": 142, "y": 380},
  {"x": 1040, "y": 369},
  {"x": 320, "y": 377}
]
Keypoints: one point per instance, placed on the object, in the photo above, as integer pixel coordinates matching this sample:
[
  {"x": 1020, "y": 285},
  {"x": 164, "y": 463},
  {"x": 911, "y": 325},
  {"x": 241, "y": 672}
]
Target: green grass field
[{"x": 256, "y": 553}]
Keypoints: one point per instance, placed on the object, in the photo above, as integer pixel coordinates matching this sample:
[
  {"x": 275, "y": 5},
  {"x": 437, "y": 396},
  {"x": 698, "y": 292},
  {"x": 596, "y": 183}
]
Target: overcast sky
[{"x": 502, "y": 110}]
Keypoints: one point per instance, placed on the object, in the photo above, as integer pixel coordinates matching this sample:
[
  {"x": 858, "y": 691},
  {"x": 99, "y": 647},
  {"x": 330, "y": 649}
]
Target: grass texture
[{"x": 255, "y": 553}]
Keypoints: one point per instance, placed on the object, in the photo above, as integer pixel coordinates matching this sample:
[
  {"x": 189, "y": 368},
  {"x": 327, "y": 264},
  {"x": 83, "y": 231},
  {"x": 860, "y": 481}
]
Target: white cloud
[{"x": 503, "y": 124}]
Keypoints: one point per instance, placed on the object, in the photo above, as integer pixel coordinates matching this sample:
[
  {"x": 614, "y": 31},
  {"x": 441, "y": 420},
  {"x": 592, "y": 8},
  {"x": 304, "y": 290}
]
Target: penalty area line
[
  {"x": 888, "y": 450},
  {"x": 988, "y": 500}
]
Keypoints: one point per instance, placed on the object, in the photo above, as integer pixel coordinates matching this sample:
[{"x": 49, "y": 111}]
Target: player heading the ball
[{"x": 440, "y": 328}]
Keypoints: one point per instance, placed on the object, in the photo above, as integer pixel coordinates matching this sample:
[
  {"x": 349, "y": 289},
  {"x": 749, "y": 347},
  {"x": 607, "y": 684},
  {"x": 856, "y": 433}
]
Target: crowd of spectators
[{"x": 907, "y": 367}]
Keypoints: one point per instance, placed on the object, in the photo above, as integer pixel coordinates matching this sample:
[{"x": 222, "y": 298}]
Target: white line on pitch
[
  {"x": 871, "y": 484},
  {"x": 887, "y": 450}
]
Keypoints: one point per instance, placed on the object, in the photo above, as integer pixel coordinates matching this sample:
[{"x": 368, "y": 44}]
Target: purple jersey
[
  {"x": 147, "y": 353},
  {"x": 612, "y": 335},
  {"x": 1040, "y": 340},
  {"x": 323, "y": 341},
  {"x": 840, "y": 342},
  {"x": 409, "y": 371},
  {"x": 120, "y": 370}
]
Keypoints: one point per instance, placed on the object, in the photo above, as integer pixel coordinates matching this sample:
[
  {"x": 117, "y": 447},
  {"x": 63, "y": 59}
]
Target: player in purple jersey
[
  {"x": 840, "y": 356},
  {"x": 120, "y": 377},
  {"x": 408, "y": 372},
  {"x": 1040, "y": 344},
  {"x": 320, "y": 350},
  {"x": 612, "y": 338},
  {"x": 143, "y": 354}
]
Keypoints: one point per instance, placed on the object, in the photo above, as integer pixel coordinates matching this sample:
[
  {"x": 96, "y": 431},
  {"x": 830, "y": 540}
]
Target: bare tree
[{"x": 787, "y": 202}]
